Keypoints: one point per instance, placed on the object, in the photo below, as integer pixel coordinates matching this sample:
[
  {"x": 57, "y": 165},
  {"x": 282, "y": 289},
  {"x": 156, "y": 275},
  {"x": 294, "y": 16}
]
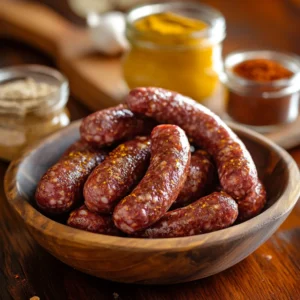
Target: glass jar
[
  {"x": 25, "y": 120},
  {"x": 189, "y": 64},
  {"x": 261, "y": 105}
]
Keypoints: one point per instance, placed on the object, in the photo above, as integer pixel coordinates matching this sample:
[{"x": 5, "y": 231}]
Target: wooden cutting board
[{"x": 95, "y": 79}]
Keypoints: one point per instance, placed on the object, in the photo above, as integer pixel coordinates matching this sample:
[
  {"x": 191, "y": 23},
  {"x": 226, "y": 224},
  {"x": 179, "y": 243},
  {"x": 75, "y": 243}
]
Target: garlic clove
[{"x": 108, "y": 32}]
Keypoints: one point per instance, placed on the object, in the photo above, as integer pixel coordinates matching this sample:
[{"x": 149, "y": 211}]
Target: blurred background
[
  {"x": 259, "y": 24},
  {"x": 250, "y": 23}
]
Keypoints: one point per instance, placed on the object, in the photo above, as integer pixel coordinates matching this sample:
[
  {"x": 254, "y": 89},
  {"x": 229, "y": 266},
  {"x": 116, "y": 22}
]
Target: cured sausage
[
  {"x": 113, "y": 124},
  {"x": 236, "y": 169},
  {"x": 113, "y": 179},
  {"x": 153, "y": 196},
  {"x": 79, "y": 145},
  {"x": 61, "y": 187},
  {"x": 253, "y": 203},
  {"x": 82, "y": 218},
  {"x": 200, "y": 179},
  {"x": 210, "y": 213}
]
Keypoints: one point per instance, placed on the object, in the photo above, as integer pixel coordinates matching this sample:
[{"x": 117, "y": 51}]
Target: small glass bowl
[
  {"x": 25, "y": 120},
  {"x": 263, "y": 106}
]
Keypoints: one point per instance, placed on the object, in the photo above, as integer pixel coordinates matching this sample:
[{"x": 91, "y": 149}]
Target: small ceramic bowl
[{"x": 153, "y": 261}]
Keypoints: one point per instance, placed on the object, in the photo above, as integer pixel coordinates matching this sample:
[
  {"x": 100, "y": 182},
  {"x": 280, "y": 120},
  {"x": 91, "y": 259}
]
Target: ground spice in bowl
[
  {"x": 263, "y": 70},
  {"x": 263, "y": 88},
  {"x": 32, "y": 105}
]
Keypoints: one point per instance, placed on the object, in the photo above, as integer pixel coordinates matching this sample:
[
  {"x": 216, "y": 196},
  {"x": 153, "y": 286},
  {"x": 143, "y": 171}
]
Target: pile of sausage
[{"x": 138, "y": 176}]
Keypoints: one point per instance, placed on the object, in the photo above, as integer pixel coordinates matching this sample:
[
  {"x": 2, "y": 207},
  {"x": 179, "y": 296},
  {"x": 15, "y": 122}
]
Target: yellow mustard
[{"x": 174, "y": 52}]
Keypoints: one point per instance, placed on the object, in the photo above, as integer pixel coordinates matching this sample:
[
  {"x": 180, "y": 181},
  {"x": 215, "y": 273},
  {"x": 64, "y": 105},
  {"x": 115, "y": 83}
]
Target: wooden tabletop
[{"x": 271, "y": 272}]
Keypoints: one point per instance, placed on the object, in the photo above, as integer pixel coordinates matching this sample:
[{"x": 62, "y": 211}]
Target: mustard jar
[
  {"x": 176, "y": 46},
  {"x": 32, "y": 105}
]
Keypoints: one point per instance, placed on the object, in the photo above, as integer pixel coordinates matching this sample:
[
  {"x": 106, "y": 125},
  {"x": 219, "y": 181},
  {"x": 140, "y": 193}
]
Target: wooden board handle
[{"x": 34, "y": 24}]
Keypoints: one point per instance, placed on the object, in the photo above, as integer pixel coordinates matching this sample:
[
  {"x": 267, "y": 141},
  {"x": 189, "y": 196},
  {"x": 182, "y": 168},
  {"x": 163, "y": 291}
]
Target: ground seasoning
[
  {"x": 257, "y": 100},
  {"x": 32, "y": 105},
  {"x": 169, "y": 24},
  {"x": 261, "y": 70},
  {"x": 24, "y": 89}
]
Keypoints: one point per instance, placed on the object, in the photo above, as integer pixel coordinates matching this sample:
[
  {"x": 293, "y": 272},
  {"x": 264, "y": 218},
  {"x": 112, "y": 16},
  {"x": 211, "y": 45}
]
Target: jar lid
[{"x": 264, "y": 89}]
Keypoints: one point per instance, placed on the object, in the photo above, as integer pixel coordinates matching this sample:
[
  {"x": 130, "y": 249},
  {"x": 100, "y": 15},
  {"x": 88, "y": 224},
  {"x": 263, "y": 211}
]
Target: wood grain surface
[{"x": 272, "y": 272}]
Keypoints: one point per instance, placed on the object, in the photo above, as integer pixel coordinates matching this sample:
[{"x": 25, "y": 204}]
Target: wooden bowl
[{"x": 157, "y": 261}]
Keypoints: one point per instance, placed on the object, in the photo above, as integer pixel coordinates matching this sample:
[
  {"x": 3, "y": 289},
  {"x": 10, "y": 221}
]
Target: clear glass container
[
  {"x": 189, "y": 64},
  {"x": 263, "y": 106},
  {"x": 25, "y": 120}
]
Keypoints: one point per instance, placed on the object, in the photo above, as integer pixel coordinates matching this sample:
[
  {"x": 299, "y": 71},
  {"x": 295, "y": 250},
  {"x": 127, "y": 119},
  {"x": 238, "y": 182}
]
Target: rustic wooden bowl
[{"x": 158, "y": 261}]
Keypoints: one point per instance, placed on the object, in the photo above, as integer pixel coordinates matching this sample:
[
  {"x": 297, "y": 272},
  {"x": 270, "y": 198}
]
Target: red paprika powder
[
  {"x": 259, "y": 89},
  {"x": 261, "y": 70}
]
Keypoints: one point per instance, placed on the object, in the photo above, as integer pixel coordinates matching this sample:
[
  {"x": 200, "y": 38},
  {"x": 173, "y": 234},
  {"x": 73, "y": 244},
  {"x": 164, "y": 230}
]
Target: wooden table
[{"x": 271, "y": 272}]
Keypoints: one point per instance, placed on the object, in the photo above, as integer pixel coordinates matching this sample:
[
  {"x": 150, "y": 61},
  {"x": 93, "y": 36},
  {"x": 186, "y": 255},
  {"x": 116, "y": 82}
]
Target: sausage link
[
  {"x": 253, "y": 203},
  {"x": 153, "y": 196},
  {"x": 200, "y": 179},
  {"x": 78, "y": 146},
  {"x": 236, "y": 169},
  {"x": 61, "y": 187},
  {"x": 210, "y": 213},
  {"x": 111, "y": 125},
  {"x": 113, "y": 179},
  {"x": 84, "y": 219}
]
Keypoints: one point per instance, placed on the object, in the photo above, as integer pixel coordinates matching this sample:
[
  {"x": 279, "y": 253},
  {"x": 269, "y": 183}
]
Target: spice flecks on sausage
[
  {"x": 237, "y": 172},
  {"x": 84, "y": 219},
  {"x": 61, "y": 187},
  {"x": 159, "y": 188},
  {"x": 111, "y": 125},
  {"x": 200, "y": 179},
  {"x": 253, "y": 203},
  {"x": 210, "y": 213},
  {"x": 114, "y": 178}
]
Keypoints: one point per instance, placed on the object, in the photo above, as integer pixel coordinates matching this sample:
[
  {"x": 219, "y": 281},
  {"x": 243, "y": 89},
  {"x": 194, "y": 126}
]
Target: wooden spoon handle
[{"x": 34, "y": 24}]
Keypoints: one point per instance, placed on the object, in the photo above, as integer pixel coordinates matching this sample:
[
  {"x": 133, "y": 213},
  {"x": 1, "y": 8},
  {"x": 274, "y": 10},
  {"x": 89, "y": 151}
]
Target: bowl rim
[{"x": 65, "y": 234}]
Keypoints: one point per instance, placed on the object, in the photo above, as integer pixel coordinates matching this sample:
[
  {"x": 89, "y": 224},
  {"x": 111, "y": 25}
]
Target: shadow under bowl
[{"x": 153, "y": 261}]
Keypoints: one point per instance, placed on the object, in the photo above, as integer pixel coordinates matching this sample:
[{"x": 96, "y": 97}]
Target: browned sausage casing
[
  {"x": 113, "y": 179},
  {"x": 200, "y": 179},
  {"x": 112, "y": 125},
  {"x": 210, "y": 213},
  {"x": 82, "y": 218},
  {"x": 253, "y": 203},
  {"x": 61, "y": 187},
  {"x": 236, "y": 169},
  {"x": 153, "y": 196}
]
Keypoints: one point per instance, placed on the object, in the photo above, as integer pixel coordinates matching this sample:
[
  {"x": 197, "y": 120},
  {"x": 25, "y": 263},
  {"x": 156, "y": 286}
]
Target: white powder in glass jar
[
  {"x": 17, "y": 98},
  {"x": 24, "y": 95},
  {"x": 27, "y": 88}
]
